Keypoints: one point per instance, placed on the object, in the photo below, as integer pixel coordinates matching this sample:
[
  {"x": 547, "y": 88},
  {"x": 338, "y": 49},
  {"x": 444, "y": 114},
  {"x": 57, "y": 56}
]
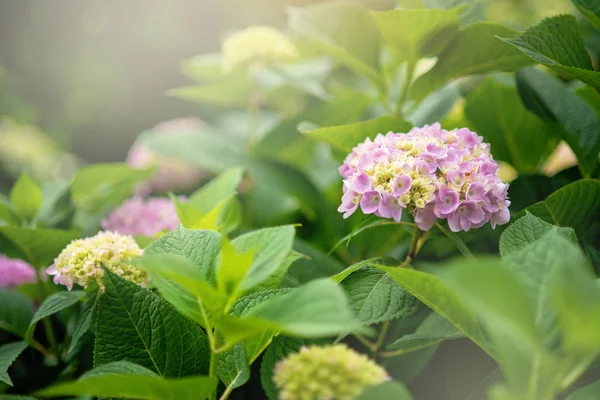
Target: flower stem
[
  {"x": 460, "y": 245},
  {"x": 414, "y": 247},
  {"x": 212, "y": 372},
  {"x": 382, "y": 334},
  {"x": 46, "y": 321}
]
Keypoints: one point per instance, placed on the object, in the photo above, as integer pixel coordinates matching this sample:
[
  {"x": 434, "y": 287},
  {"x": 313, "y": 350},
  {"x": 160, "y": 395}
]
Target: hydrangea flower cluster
[
  {"x": 145, "y": 217},
  {"x": 15, "y": 272},
  {"x": 431, "y": 172},
  {"x": 171, "y": 175},
  {"x": 257, "y": 46},
  {"x": 329, "y": 372},
  {"x": 82, "y": 260}
]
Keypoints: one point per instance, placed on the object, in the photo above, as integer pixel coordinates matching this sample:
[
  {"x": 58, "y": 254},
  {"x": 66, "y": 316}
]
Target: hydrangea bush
[{"x": 212, "y": 264}]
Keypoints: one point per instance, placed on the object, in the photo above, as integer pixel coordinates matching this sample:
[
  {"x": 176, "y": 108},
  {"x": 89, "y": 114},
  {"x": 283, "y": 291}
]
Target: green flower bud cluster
[
  {"x": 82, "y": 260},
  {"x": 326, "y": 373},
  {"x": 257, "y": 46}
]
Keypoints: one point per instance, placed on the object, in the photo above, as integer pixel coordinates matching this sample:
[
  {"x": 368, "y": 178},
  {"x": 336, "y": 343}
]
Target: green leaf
[
  {"x": 345, "y": 137},
  {"x": 281, "y": 347},
  {"x": 130, "y": 386},
  {"x": 271, "y": 246},
  {"x": 57, "y": 205},
  {"x": 256, "y": 345},
  {"x": 591, "y": 10},
  {"x": 527, "y": 230},
  {"x": 556, "y": 42},
  {"x": 198, "y": 247},
  {"x": 579, "y": 119},
  {"x": 233, "y": 268},
  {"x": 588, "y": 392},
  {"x": 55, "y": 303},
  {"x": 187, "y": 213},
  {"x": 8, "y": 354},
  {"x": 470, "y": 11},
  {"x": 206, "y": 148},
  {"x": 101, "y": 186},
  {"x": 26, "y": 196},
  {"x": 436, "y": 294},
  {"x": 474, "y": 50},
  {"x": 316, "y": 264},
  {"x": 15, "y": 313},
  {"x": 416, "y": 34},
  {"x": 8, "y": 215},
  {"x": 84, "y": 319},
  {"x": 220, "y": 188},
  {"x": 233, "y": 368},
  {"x": 317, "y": 309},
  {"x": 433, "y": 330},
  {"x": 387, "y": 390},
  {"x": 233, "y": 92},
  {"x": 576, "y": 205},
  {"x": 435, "y": 106},
  {"x": 136, "y": 325},
  {"x": 497, "y": 114},
  {"x": 118, "y": 367},
  {"x": 353, "y": 40},
  {"x": 38, "y": 246},
  {"x": 375, "y": 297}
]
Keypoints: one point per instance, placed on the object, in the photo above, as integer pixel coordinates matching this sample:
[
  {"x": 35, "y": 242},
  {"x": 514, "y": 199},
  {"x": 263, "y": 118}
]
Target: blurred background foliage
[{"x": 92, "y": 75}]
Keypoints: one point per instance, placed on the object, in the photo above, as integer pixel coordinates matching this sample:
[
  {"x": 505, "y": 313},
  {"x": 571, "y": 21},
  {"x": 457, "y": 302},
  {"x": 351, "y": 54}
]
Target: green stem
[
  {"x": 460, "y": 245},
  {"x": 212, "y": 372},
  {"x": 413, "y": 248},
  {"x": 382, "y": 334},
  {"x": 46, "y": 321},
  {"x": 411, "y": 65},
  {"x": 365, "y": 342}
]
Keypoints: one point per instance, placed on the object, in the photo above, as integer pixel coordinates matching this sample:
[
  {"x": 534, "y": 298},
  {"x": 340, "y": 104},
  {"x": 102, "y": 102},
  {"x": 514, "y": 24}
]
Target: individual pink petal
[
  {"x": 369, "y": 203},
  {"x": 476, "y": 191},
  {"x": 390, "y": 207},
  {"x": 447, "y": 201},
  {"x": 402, "y": 185}
]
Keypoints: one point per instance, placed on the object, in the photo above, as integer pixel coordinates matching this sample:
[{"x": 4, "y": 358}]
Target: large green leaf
[
  {"x": 470, "y": 11},
  {"x": 220, "y": 188},
  {"x": 8, "y": 354},
  {"x": 474, "y": 50},
  {"x": 387, "y": 390},
  {"x": 415, "y": 34},
  {"x": 343, "y": 30},
  {"x": 375, "y": 297},
  {"x": 38, "y": 246},
  {"x": 551, "y": 99},
  {"x": 233, "y": 368},
  {"x": 118, "y": 367},
  {"x": 589, "y": 8},
  {"x": 433, "y": 330},
  {"x": 497, "y": 114},
  {"x": 345, "y": 137},
  {"x": 315, "y": 265},
  {"x": 576, "y": 205},
  {"x": 100, "y": 186},
  {"x": 26, "y": 196},
  {"x": 130, "y": 386},
  {"x": 15, "y": 313},
  {"x": 136, "y": 325},
  {"x": 198, "y": 247},
  {"x": 435, "y": 293},
  {"x": 206, "y": 147},
  {"x": 527, "y": 230},
  {"x": 270, "y": 247},
  {"x": 317, "y": 309},
  {"x": 556, "y": 42},
  {"x": 435, "y": 106}
]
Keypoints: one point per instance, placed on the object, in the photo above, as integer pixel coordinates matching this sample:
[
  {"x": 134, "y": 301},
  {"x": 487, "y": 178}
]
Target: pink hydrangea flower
[
  {"x": 145, "y": 217},
  {"x": 171, "y": 175},
  {"x": 15, "y": 272},
  {"x": 430, "y": 172}
]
